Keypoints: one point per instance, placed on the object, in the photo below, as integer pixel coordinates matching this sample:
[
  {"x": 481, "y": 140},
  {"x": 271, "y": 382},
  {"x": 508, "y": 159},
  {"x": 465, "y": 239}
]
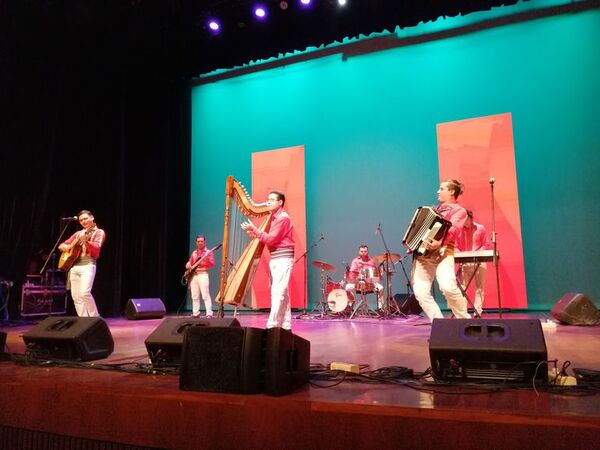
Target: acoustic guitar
[{"x": 69, "y": 256}]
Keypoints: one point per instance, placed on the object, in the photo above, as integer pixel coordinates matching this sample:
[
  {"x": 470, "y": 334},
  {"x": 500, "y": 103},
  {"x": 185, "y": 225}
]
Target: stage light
[
  {"x": 305, "y": 3},
  {"x": 283, "y": 5},
  {"x": 342, "y": 2},
  {"x": 214, "y": 26},
  {"x": 260, "y": 12}
]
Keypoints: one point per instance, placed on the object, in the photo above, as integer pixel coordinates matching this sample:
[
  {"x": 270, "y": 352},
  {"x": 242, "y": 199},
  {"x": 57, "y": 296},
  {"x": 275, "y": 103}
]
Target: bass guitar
[
  {"x": 70, "y": 255},
  {"x": 189, "y": 273}
]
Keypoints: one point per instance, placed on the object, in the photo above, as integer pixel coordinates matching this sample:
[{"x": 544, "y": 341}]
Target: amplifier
[{"x": 43, "y": 301}]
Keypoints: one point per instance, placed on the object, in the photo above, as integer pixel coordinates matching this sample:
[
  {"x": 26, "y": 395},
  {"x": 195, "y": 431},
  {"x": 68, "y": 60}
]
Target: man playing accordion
[{"x": 438, "y": 262}]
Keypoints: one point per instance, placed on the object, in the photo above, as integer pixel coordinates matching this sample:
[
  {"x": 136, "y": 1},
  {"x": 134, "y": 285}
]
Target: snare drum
[
  {"x": 365, "y": 287},
  {"x": 339, "y": 300}
]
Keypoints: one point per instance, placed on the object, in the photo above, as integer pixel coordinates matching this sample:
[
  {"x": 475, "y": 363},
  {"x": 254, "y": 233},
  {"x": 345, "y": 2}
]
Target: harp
[{"x": 241, "y": 255}]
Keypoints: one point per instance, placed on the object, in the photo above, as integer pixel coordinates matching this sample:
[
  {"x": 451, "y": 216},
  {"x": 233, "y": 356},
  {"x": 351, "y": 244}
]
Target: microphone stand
[
  {"x": 494, "y": 246},
  {"x": 52, "y": 253},
  {"x": 388, "y": 281},
  {"x": 52, "y": 256},
  {"x": 304, "y": 255}
]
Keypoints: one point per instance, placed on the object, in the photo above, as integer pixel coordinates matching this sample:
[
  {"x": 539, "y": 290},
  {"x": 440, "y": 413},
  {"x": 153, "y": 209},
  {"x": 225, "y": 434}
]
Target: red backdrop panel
[
  {"x": 283, "y": 170},
  {"x": 472, "y": 151}
]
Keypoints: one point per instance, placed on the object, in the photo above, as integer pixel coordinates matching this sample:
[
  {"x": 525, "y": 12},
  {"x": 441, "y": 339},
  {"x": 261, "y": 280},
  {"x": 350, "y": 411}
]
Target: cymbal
[
  {"x": 324, "y": 266},
  {"x": 392, "y": 257}
]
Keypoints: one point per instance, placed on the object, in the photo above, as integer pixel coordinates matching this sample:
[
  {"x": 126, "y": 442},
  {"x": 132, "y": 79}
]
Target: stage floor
[{"x": 99, "y": 405}]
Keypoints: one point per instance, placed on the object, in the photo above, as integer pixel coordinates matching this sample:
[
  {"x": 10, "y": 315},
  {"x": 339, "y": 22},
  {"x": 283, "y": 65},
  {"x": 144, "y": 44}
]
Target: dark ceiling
[{"x": 171, "y": 36}]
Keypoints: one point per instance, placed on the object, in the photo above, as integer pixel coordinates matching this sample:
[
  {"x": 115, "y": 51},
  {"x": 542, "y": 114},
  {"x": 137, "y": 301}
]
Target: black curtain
[{"x": 94, "y": 114}]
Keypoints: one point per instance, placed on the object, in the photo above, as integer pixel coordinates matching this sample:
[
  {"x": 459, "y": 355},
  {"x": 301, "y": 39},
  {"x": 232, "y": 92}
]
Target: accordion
[{"x": 425, "y": 224}]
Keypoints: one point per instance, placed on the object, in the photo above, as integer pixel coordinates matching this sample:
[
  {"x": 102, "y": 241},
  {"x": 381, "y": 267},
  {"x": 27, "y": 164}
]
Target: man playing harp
[{"x": 280, "y": 241}]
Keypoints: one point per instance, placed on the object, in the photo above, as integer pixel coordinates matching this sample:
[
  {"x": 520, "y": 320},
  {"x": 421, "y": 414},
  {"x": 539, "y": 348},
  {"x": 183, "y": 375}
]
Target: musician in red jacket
[
  {"x": 439, "y": 262},
  {"x": 361, "y": 267},
  {"x": 280, "y": 242},
  {"x": 200, "y": 283},
  {"x": 473, "y": 238},
  {"x": 88, "y": 241}
]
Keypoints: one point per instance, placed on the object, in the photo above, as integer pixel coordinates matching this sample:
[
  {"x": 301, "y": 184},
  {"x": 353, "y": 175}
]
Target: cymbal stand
[
  {"x": 409, "y": 291},
  {"x": 390, "y": 307},
  {"x": 322, "y": 307},
  {"x": 303, "y": 256}
]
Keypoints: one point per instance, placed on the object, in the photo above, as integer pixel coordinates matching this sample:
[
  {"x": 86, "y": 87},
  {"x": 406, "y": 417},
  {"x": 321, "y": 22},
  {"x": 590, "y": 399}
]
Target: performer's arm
[
  {"x": 279, "y": 228},
  {"x": 94, "y": 245},
  {"x": 480, "y": 240},
  {"x": 191, "y": 261},
  {"x": 458, "y": 218},
  {"x": 67, "y": 244}
]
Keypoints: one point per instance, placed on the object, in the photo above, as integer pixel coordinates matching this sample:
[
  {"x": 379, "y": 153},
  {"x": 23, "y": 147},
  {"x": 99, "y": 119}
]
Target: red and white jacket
[{"x": 92, "y": 247}]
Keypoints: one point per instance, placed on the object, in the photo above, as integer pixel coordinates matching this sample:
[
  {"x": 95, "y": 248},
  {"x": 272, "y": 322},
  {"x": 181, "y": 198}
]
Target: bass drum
[{"x": 338, "y": 300}]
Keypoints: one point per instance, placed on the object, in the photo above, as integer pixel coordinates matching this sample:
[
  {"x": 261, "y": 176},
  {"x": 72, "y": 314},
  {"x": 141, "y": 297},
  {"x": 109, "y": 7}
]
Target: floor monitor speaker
[
  {"x": 70, "y": 338},
  {"x": 222, "y": 360},
  {"x": 145, "y": 308},
  {"x": 287, "y": 361},
  {"x": 576, "y": 309},
  {"x": 488, "y": 349},
  {"x": 164, "y": 344}
]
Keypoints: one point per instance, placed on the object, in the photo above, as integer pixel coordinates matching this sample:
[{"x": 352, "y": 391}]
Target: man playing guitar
[
  {"x": 199, "y": 282},
  {"x": 83, "y": 247}
]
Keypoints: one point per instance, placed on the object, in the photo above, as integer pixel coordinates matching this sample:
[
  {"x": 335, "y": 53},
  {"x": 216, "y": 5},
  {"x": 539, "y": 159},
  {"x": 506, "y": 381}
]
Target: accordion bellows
[{"x": 425, "y": 224}]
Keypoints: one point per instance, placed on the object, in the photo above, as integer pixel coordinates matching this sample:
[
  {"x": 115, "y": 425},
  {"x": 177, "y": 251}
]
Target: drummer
[{"x": 359, "y": 270}]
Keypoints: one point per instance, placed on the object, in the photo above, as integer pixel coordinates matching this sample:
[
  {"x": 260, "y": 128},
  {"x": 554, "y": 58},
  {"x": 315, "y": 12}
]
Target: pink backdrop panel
[
  {"x": 282, "y": 170},
  {"x": 473, "y": 151}
]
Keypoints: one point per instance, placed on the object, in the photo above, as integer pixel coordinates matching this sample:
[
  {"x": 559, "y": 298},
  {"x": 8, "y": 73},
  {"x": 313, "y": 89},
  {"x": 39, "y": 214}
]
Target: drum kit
[{"x": 337, "y": 301}]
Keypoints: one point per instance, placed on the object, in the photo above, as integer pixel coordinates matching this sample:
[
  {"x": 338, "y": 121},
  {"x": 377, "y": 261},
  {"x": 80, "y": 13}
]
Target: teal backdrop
[{"x": 368, "y": 124}]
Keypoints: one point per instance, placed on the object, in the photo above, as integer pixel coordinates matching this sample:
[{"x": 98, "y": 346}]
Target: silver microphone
[
  {"x": 378, "y": 229},
  {"x": 67, "y": 219},
  {"x": 322, "y": 237},
  {"x": 492, "y": 180}
]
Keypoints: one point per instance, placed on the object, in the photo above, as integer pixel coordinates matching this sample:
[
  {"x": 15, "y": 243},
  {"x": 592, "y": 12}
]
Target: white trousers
[
  {"x": 466, "y": 272},
  {"x": 81, "y": 278},
  {"x": 200, "y": 285},
  {"x": 281, "y": 311},
  {"x": 378, "y": 290},
  {"x": 423, "y": 272}
]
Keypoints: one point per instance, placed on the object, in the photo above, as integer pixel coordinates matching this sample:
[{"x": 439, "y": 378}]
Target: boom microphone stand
[
  {"x": 494, "y": 244},
  {"x": 303, "y": 256},
  {"x": 389, "y": 302}
]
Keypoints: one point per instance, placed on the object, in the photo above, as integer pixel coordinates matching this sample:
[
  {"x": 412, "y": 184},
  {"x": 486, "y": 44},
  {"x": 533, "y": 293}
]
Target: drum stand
[{"x": 362, "y": 306}]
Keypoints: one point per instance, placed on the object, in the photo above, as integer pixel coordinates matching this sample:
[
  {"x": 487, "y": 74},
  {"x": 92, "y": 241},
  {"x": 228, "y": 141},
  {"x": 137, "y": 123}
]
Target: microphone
[
  {"x": 322, "y": 237},
  {"x": 492, "y": 180},
  {"x": 68, "y": 219},
  {"x": 378, "y": 229}
]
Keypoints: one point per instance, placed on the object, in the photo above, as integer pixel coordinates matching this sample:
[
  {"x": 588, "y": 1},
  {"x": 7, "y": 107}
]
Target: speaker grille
[{"x": 222, "y": 360}]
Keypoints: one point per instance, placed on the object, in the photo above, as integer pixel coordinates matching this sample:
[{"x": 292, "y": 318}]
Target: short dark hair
[
  {"x": 280, "y": 196},
  {"x": 455, "y": 186},
  {"x": 363, "y": 246},
  {"x": 201, "y": 236}
]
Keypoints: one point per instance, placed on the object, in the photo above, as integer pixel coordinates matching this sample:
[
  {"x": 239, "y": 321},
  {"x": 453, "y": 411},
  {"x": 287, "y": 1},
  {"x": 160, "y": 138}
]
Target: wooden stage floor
[{"x": 55, "y": 407}]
